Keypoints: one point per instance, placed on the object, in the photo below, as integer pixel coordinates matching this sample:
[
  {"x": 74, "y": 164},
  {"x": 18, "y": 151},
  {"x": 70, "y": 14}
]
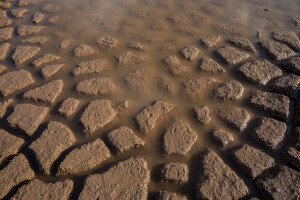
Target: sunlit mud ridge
[{"x": 149, "y": 99}]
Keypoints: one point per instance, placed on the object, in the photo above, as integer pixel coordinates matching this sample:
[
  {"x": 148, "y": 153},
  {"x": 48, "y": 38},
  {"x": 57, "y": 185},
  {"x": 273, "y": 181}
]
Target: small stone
[
  {"x": 5, "y": 23},
  {"x": 137, "y": 46},
  {"x": 130, "y": 176},
  {"x": 128, "y": 58},
  {"x": 236, "y": 117},
  {"x": 24, "y": 53},
  {"x": 222, "y": 137},
  {"x": 35, "y": 40},
  {"x": 207, "y": 64},
  {"x": 269, "y": 132},
  {"x": 52, "y": 142},
  {"x": 165, "y": 195},
  {"x": 89, "y": 67},
  {"x": 210, "y": 41},
  {"x": 51, "y": 7},
  {"x": 190, "y": 52},
  {"x": 50, "y": 70},
  {"x": 260, "y": 71},
  {"x": 4, "y": 50},
  {"x": 289, "y": 38},
  {"x": 63, "y": 44},
  {"x": 175, "y": 173},
  {"x": 292, "y": 65},
  {"x": 27, "y": 117},
  {"x": 87, "y": 156},
  {"x": 217, "y": 181},
  {"x": 37, "y": 189},
  {"x": 278, "y": 183},
  {"x": 83, "y": 51},
  {"x": 68, "y": 107},
  {"x": 242, "y": 43},
  {"x": 194, "y": 87},
  {"x": 146, "y": 118},
  {"x": 37, "y": 17},
  {"x": 45, "y": 59},
  {"x": 230, "y": 90},
  {"x": 231, "y": 56},
  {"x": 29, "y": 29},
  {"x": 276, "y": 50},
  {"x": 2, "y": 69},
  {"x": 14, "y": 81},
  {"x": 106, "y": 42},
  {"x": 18, "y": 13},
  {"x": 286, "y": 84},
  {"x": 17, "y": 171},
  {"x": 4, "y": 105},
  {"x": 171, "y": 61},
  {"x": 178, "y": 138},
  {"x": 9, "y": 145},
  {"x": 252, "y": 161},
  {"x": 4, "y": 5},
  {"x": 139, "y": 80},
  {"x": 124, "y": 138},
  {"x": 97, "y": 114},
  {"x": 202, "y": 114},
  {"x": 273, "y": 104},
  {"x": 96, "y": 86},
  {"x": 6, "y": 34},
  {"x": 46, "y": 93}
]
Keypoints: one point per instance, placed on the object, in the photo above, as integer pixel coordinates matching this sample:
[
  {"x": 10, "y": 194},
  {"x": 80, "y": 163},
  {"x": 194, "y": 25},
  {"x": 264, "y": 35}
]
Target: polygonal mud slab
[
  {"x": 2, "y": 69},
  {"x": 83, "y": 51},
  {"x": 18, "y": 12},
  {"x": 291, "y": 155},
  {"x": 97, "y": 114},
  {"x": 22, "y": 3},
  {"x": 6, "y": 34},
  {"x": 260, "y": 71},
  {"x": 178, "y": 138},
  {"x": 289, "y": 38},
  {"x": 292, "y": 65},
  {"x": 179, "y": 70},
  {"x": 146, "y": 118},
  {"x": 230, "y": 90},
  {"x": 63, "y": 44},
  {"x": 4, "y": 50},
  {"x": 27, "y": 117},
  {"x": 242, "y": 43},
  {"x": 68, "y": 107},
  {"x": 9, "y": 145},
  {"x": 207, "y": 64},
  {"x": 279, "y": 183},
  {"x": 236, "y": 117},
  {"x": 51, "y": 8},
  {"x": 177, "y": 173},
  {"x": 165, "y": 195},
  {"x": 35, "y": 40},
  {"x": 17, "y": 171},
  {"x": 5, "y": 23},
  {"x": 96, "y": 86},
  {"x": 87, "y": 157},
  {"x": 45, "y": 59},
  {"x": 137, "y": 46},
  {"x": 171, "y": 61},
  {"x": 222, "y": 137},
  {"x": 252, "y": 161},
  {"x": 202, "y": 114},
  {"x": 50, "y": 70},
  {"x": 128, "y": 58},
  {"x": 24, "y": 30},
  {"x": 231, "y": 56},
  {"x": 139, "y": 79},
  {"x": 4, "y": 105},
  {"x": 190, "y": 52},
  {"x": 130, "y": 176},
  {"x": 37, "y": 189},
  {"x": 286, "y": 84},
  {"x": 269, "y": 132},
  {"x": 5, "y": 5},
  {"x": 193, "y": 88},
  {"x": 52, "y": 142},
  {"x": 3, "y": 14},
  {"x": 89, "y": 67},
  {"x": 276, "y": 105},
  {"x": 46, "y": 93},
  {"x": 37, "y": 17},
  {"x": 217, "y": 181},
  {"x": 124, "y": 138},
  {"x": 23, "y": 53},
  {"x": 106, "y": 42},
  {"x": 210, "y": 41},
  {"x": 276, "y": 50}
]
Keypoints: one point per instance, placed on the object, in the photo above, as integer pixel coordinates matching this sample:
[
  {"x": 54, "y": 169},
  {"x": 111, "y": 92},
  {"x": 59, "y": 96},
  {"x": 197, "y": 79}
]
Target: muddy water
[{"x": 147, "y": 22}]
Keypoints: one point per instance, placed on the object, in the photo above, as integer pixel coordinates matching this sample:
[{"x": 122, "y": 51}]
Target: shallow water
[{"x": 147, "y": 22}]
